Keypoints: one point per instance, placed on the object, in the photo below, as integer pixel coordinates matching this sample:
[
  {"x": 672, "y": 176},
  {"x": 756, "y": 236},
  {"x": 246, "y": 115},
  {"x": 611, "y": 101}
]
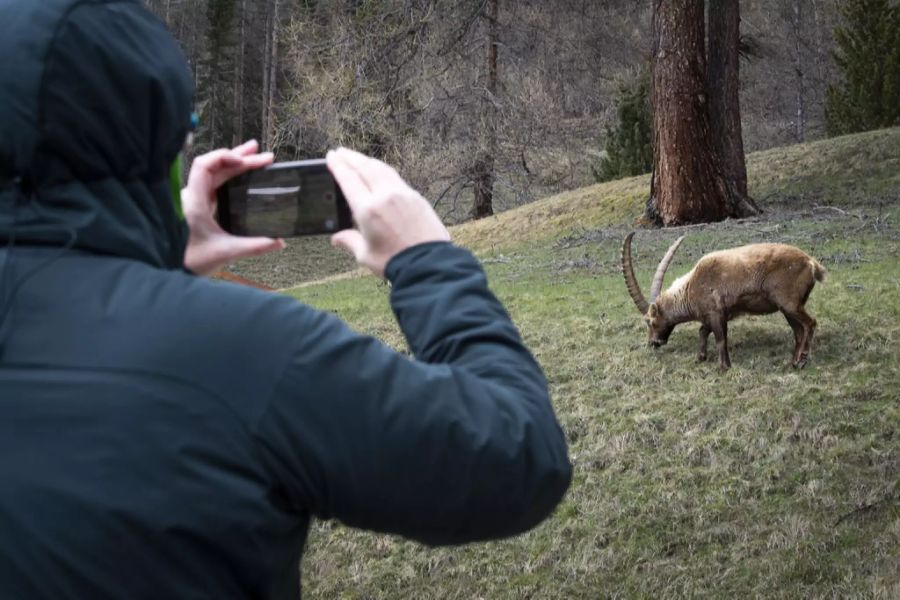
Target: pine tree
[
  {"x": 628, "y": 147},
  {"x": 868, "y": 56},
  {"x": 215, "y": 85}
]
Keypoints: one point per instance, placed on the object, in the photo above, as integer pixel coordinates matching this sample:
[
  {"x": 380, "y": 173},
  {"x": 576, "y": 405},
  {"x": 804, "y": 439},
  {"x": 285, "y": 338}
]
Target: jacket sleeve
[{"x": 460, "y": 444}]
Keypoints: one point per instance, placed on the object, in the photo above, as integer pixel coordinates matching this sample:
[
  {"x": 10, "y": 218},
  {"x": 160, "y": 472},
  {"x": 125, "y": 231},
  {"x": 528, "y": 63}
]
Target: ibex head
[{"x": 659, "y": 323}]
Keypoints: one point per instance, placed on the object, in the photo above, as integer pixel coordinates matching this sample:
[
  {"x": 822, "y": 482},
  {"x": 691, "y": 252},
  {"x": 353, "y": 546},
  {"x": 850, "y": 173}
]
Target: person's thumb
[
  {"x": 352, "y": 241},
  {"x": 254, "y": 246},
  {"x": 218, "y": 251}
]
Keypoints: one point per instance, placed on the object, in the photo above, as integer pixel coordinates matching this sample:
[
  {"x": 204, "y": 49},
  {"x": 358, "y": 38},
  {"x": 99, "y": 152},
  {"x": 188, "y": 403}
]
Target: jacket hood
[{"x": 95, "y": 105}]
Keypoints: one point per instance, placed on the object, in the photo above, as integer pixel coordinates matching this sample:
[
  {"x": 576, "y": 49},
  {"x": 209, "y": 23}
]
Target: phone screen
[{"x": 284, "y": 200}]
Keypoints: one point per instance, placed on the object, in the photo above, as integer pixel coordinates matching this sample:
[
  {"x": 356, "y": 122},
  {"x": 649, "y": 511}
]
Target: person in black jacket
[{"x": 163, "y": 435}]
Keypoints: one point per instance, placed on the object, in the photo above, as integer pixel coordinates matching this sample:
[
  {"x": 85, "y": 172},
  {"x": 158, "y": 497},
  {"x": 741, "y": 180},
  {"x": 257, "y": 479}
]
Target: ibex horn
[
  {"x": 656, "y": 286},
  {"x": 634, "y": 290}
]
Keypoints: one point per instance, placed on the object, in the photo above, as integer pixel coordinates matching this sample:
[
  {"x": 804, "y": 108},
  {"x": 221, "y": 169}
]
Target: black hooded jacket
[{"x": 165, "y": 436}]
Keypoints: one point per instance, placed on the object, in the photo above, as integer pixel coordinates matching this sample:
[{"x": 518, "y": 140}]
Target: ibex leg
[
  {"x": 799, "y": 334},
  {"x": 720, "y": 330},
  {"x": 704, "y": 338},
  {"x": 809, "y": 328}
]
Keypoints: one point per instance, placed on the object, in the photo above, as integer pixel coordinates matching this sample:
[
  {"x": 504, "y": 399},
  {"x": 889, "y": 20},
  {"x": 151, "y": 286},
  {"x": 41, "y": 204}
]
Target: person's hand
[
  {"x": 391, "y": 216},
  {"x": 210, "y": 247}
]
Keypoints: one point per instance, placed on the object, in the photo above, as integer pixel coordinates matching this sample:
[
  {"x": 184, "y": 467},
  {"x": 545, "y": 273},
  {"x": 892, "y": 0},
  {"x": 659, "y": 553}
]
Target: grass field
[{"x": 761, "y": 482}]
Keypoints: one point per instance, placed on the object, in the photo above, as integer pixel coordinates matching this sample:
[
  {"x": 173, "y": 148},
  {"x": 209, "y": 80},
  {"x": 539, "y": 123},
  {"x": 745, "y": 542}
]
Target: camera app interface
[{"x": 285, "y": 203}]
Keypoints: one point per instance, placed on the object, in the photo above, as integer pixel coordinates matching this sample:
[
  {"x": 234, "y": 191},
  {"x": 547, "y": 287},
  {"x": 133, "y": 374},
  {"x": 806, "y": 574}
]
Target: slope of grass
[
  {"x": 851, "y": 171},
  {"x": 760, "y": 482}
]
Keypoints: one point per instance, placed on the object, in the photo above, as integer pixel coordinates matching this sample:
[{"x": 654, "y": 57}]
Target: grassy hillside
[{"x": 760, "y": 482}]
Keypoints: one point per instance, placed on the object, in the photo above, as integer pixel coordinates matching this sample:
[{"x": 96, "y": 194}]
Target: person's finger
[
  {"x": 207, "y": 162},
  {"x": 216, "y": 251},
  {"x": 235, "y": 248},
  {"x": 247, "y": 148},
  {"x": 255, "y": 161},
  {"x": 230, "y": 165},
  {"x": 372, "y": 171},
  {"x": 220, "y": 159},
  {"x": 242, "y": 247},
  {"x": 355, "y": 190},
  {"x": 350, "y": 240}
]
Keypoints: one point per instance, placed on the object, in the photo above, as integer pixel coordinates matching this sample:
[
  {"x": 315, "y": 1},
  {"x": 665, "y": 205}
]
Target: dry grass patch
[{"x": 760, "y": 482}]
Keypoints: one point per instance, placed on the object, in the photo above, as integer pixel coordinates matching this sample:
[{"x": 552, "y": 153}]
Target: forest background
[{"x": 438, "y": 88}]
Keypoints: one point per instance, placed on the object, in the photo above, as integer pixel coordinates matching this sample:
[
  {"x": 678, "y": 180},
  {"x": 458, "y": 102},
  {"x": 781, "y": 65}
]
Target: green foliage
[
  {"x": 868, "y": 56},
  {"x": 628, "y": 147}
]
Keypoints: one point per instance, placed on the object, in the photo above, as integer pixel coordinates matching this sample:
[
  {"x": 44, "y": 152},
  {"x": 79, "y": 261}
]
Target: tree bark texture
[
  {"x": 484, "y": 163},
  {"x": 723, "y": 86},
  {"x": 273, "y": 81},
  {"x": 688, "y": 185},
  {"x": 238, "y": 108},
  {"x": 820, "y": 62},
  {"x": 797, "y": 25},
  {"x": 270, "y": 71}
]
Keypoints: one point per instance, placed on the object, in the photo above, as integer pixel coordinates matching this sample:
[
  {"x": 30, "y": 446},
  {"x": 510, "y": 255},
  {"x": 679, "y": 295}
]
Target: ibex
[{"x": 758, "y": 279}]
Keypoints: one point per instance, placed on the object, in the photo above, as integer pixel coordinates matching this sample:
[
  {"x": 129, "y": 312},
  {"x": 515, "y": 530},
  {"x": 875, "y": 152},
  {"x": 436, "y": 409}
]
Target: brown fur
[{"x": 757, "y": 279}]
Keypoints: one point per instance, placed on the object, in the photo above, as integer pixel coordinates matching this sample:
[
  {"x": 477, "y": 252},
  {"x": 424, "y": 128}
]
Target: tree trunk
[
  {"x": 796, "y": 22},
  {"x": 267, "y": 62},
  {"x": 688, "y": 184},
  {"x": 484, "y": 164},
  {"x": 269, "y": 133},
  {"x": 723, "y": 86},
  {"x": 238, "y": 108},
  {"x": 820, "y": 62},
  {"x": 196, "y": 46}
]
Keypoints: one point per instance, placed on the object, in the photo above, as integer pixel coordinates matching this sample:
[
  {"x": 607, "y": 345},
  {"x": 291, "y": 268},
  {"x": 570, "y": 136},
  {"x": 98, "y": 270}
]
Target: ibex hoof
[
  {"x": 701, "y": 358},
  {"x": 801, "y": 362}
]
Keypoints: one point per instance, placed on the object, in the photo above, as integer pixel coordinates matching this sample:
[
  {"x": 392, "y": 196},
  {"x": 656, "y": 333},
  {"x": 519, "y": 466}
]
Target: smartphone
[{"x": 284, "y": 200}]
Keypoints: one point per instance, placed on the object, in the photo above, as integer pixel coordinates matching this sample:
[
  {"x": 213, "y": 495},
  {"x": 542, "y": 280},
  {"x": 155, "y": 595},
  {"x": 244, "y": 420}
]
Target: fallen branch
[
  {"x": 496, "y": 260},
  {"x": 865, "y": 508},
  {"x": 834, "y": 208}
]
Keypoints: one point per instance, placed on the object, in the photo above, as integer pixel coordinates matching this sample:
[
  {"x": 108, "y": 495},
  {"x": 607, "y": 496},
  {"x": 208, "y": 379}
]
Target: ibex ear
[{"x": 653, "y": 311}]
